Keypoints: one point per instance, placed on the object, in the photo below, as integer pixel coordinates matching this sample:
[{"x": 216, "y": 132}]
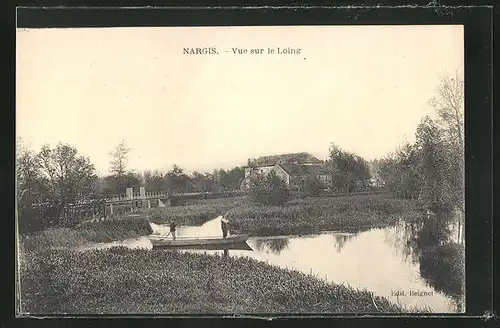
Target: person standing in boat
[
  {"x": 223, "y": 225},
  {"x": 173, "y": 225}
]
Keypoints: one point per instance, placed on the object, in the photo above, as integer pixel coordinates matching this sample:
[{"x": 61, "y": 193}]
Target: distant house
[
  {"x": 295, "y": 175},
  {"x": 294, "y": 169}
]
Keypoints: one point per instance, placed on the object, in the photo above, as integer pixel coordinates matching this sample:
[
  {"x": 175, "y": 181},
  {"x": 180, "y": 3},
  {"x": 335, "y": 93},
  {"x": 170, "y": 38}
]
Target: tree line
[
  {"x": 50, "y": 180},
  {"x": 61, "y": 175}
]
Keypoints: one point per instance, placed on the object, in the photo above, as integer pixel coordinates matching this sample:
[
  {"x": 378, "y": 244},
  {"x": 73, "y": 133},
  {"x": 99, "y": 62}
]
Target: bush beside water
[
  {"x": 120, "y": 280},
  {"x": 443, "y": 267}
]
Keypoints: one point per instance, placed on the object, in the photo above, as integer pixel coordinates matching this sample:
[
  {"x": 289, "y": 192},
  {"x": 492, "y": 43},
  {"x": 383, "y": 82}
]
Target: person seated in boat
[
  {"x": 223, "y": 225},
  {"x": 173, "y": 225}
]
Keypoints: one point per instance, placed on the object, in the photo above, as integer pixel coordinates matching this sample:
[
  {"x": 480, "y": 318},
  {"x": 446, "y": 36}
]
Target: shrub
[
  {"x": 269, "y": 189},
  {"x": 313, "y": 186}
]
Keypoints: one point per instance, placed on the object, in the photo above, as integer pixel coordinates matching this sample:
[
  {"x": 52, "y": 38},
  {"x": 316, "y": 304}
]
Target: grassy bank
[
  {"x": 310, "y": 215},
  {"x": 195, "y": 213},
  {"x": 94, "y": 232},
  {"x": 139, "y": 281}
]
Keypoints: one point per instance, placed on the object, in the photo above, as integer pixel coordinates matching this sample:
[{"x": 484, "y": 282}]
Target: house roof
[
  {"x": 294, "y": 158},
  {"x": 298, "y": 169}
]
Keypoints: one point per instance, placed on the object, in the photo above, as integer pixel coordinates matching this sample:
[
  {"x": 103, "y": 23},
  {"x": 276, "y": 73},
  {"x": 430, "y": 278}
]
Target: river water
[{"x": 379, "y": 260}]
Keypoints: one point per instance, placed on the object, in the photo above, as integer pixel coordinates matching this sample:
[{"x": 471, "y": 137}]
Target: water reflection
[
  {"x": 341, "y": 240},
  {"x": 239, "y": 247},
  {"x": 271, "y": 245},
  {"x": 435, "y": 244},
  {"x": 400, "y": 238}
]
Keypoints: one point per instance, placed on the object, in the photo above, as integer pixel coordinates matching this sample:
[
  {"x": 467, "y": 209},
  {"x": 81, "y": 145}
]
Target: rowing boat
[{"x": 186, "y": 242}]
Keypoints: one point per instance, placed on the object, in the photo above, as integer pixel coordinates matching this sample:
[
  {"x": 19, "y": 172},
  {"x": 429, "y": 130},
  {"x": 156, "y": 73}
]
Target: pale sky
[{"x": 364, "y": 88}]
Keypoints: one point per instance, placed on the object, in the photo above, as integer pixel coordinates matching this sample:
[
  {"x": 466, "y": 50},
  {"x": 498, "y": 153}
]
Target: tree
[
  {"x": 439, "y": 170},
  {"x": 399, "y": 172},
  {"x": 28, "y": 187},
  {"x": 251, "y": 163},
  {"x": 338, "y": 167},
  {"x": 177, "y": 170},
  {"x": 361, "y": 172},
  {"x": 449, "y": 106},
  {"x": 269, "y": 189},
  {"x": 203, "y": 182},
  {"x": 199, "y": 181},
  {"x": 119, "y": 159},
  {"x": 49, "y": 181},
  {"x": 177, "y": 181},
  {"x": 236, "y": 176},
  {"x": 229, "y": 180},
  {"x": 313, "y": 186},
  {"x": 27, "y": 172},
  {"x": 430, "y": 170},
  {"x": 430, "y": 166},
  {"x": 350, "y": 171},
  {"x": 154, "y": 181},
  {"x": 119, "y": 179},
  {"x": 132, "y": 180},
  {"x": 66, "y": 177},
  {"x": 209, "y": 182}
]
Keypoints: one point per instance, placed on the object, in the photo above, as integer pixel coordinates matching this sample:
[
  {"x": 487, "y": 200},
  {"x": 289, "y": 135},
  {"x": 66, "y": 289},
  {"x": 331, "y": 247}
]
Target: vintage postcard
[{"x": 240, "y": 170}]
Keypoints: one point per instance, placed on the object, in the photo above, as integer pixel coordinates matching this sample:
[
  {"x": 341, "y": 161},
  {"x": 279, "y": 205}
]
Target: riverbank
[
  {"x": 88, "y": 232},
  {"x": 124, "y": 281},
  {"x": 315, "y": 214}
]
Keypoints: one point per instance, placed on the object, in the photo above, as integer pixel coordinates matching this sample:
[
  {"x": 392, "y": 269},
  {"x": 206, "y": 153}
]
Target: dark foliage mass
[
  {"x": 350, "y": 172},
  {"x": 443, "y": 267},
  {"x": 269, "y": 189},
  {"x": 51, "y": 179}
]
